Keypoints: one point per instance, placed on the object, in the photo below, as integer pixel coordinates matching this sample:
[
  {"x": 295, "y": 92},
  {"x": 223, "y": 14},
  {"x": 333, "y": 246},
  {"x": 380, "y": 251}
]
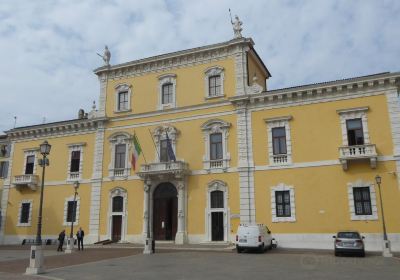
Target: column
[{"x": 181, "y": 233}]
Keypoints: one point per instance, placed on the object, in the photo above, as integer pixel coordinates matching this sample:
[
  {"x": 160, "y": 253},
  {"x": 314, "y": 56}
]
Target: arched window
[{"x": 118, "y": 204}]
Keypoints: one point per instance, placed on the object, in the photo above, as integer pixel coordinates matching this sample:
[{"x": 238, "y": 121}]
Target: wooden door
[
  {"x": 217, "y": 226},
  {"x": 116, "y": 228},
  {"x": 165, "y": 209}
]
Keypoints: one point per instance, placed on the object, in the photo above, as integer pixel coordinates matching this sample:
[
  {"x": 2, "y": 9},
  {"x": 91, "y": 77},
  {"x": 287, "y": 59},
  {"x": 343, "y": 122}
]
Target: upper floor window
[
  {"x": 164, "y": 151},
  {"x": 214, "y": 82},
  {"x": 216, "y": 144},
  {"x": 75, "y": 161},
  {"x": 167, "y": 91},
  {"x": 4, "y": 151},
  {"x": 160, "y": 138},
  {"x": 279, "y": 140},
  {"x": 355, "y": 134},
  {"x": 3, "y": 169},
  {"x": 120, "y": 156},
  {"x": 30, "y": 164},
  {"x": 121, "y": 143},
  {"x": 123, "y": 98}
]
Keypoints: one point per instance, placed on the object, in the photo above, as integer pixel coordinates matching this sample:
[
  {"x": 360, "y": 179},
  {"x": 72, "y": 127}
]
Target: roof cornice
[{"x": 174, "y": 59}]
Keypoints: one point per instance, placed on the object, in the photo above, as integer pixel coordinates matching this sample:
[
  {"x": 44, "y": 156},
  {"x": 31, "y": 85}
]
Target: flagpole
[{"x": 154, "y": 143}]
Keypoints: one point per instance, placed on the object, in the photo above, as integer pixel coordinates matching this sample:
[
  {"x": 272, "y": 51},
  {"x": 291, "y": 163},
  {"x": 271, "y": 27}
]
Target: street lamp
[
  {"x": 386, "y": 242},
  {"x": 36, "y": 257},
  {"x": 70, "y": 242}
]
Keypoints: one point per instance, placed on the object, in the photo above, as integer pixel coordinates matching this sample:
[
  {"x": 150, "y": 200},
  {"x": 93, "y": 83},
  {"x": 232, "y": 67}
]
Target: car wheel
[
  {"x": 362, "y": 254},
  {"x": 238, "y": 249},
  {"x": 261, "y": 248},
  {"x": 336, "y": 254}
]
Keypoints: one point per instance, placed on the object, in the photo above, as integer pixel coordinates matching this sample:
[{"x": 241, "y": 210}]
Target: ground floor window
[
  {"x": 362, "y": 201},
  {"x": 283, "y": 204},
  {"x": 25, "y": 213}
]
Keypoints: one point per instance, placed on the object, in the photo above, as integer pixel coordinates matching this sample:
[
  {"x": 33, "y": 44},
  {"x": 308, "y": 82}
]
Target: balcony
[
  {"x": 175, "y": 169},
  {"x": 280, "y": 159},
  {"x": 216, "y": 164},
  {"x": 359, "y": 152},
  {"x": 30, "y": 181}
]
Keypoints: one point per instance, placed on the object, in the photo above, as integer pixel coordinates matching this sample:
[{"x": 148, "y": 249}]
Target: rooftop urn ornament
[
  {"x": 106, "y": 56},
  {"x": 237, "y": 26}
]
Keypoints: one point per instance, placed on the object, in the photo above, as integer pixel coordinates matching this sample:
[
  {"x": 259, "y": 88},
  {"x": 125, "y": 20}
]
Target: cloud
[{"x": 48, "y": 47}]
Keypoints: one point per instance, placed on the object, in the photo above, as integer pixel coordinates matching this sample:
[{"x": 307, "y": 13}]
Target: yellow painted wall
[{"x": 255, "y": 70}]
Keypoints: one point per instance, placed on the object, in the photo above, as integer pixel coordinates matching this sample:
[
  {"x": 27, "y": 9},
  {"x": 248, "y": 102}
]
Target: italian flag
[{"x": 137, "y": 150}]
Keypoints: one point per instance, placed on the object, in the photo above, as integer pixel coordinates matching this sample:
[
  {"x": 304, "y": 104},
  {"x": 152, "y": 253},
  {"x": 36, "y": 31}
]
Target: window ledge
[
  {"x": 123, "y": 111},
  {"x": 23, "y": 224},
  {"x": 214, "y": 97}
]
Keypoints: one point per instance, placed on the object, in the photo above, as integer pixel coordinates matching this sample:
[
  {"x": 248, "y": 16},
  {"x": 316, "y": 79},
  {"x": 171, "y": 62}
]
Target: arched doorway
[{"x": 165, "y": 206}]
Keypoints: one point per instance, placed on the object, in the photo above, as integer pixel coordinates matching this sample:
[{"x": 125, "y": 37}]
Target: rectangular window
[
  {"x": 123, "y": 101},
  {"x": 214, "y": 83},
  {"x": 24, "y": 217},
  {"x": 3, "y": 169},
  {"x": 163, "y": 151},
  {"x": 4, "y": 151},
  {"x": 282, "y": 201},
  {"x": 120, "y": 156},
  {"x": 217, "y": 199},
  {"x": 167, "y": 93},
  {"x": 355, "y": 134},
  {"x": 71, "y": 211},
  {"x": 279, "y": 140},
  {"x": 75, "y": 161},
  {"x": 362, "y": 201},
  {"x": 30, "y": 163},
  {"x": 216, "y": 146}
]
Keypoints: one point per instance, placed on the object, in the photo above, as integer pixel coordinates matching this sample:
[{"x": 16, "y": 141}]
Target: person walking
[
  {"x": 61, "y": 238},
  {"x": 79, "y": 235}
]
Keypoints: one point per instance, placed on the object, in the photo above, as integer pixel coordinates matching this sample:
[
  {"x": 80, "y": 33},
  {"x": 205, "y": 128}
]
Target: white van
[{"x": 254, "y": 237}]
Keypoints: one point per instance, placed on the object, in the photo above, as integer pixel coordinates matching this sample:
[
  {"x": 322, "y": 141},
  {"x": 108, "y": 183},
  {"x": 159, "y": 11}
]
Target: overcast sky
[{"x": 48, "y": 47}]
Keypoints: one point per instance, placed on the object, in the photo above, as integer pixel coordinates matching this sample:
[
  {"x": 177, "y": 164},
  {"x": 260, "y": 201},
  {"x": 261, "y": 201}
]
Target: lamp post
[
  {"x": 70, "y": 241},
  {"x": 36, "y": 257},
  {"x": 386, "y": 242}
]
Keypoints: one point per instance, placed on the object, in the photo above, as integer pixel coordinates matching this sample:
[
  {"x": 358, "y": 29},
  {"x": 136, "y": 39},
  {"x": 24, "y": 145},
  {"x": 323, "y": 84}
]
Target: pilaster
[{"x": 103, "y": 79}]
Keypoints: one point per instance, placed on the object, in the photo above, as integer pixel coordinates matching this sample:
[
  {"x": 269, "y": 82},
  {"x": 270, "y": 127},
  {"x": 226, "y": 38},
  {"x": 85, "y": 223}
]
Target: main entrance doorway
[
  {"x": 116, "y": 228},
  {"x": 165, "y": 206}
]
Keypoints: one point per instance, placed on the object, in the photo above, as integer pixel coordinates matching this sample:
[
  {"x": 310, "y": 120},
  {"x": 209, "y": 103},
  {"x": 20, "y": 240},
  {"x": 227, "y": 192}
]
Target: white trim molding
[
  {"x": 282, "y": 159},
  {"x": 118, "y": 191},
  {"x": 78, "y": 202},
  {"x": 354, "y": 113},
  {"x": 160, "y": 133},
  {"x": 210, "y": 72},
  {"x": 119, "y": 89},
  {"x": 75, "y": 176},
  {"x": 372, "y": 195},
  {"x": 116, "y": 139},
  {"x": 217, "y": 185},
  {"x": 162, "y": 80},
  {"x": 28, "y": 224},
  {"x": 283, "y": 187},
  {"x": 210, "y": 127}
]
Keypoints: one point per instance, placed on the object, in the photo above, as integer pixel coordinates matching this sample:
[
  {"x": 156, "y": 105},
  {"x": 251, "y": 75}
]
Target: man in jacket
[
  {"x": 61, "y": 238},
  {"x": 79, "y": 235}
]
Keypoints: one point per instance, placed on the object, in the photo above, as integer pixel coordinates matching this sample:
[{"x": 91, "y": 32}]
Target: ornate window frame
[
  {"x": 159, "y": 135},
  {"x": 28, "y": 224},
  {"x": 217, "y": 185},
  {"x": 166, "y": 79},
  {"x": 285, "y": 159},
  {"x": 118, "y": 191},
  {"x": 74, "y": 176},
  {"x": 30, "y": 152},
  {"x": 213, "y": 71},
  {"x": 78, "y": 202},
  {"x": 354, "y": 113},
  {"x": 372, "y": 193},
  {"x": 208, "y": 128},
  {"x": 122, "y": 88},
  {"x": 115, "y": 139},
  {"x": 283, "y": 187}
]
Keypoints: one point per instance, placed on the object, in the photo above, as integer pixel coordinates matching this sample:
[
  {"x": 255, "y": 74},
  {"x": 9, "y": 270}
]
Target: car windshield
[{"x": 348, "y": 235}]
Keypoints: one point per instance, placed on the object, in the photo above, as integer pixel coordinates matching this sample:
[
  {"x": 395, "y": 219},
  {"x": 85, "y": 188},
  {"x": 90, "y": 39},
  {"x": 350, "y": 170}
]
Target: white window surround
[
  {"x": 213, "y": 71},
  {"x": 122, "y": 88},
  {"x": 283, "y": 187},
  {"x": 217, "y": 185},
  {"x": 78, "y": 202},
  {"x": 118, "y": 191},
  {"x": 75, "y": 176},
  {"x": 285, "y": 159},
  {"x": 115, "y": 139},
  {"x": 372, "y": 193},
  {"x": 28, "y": 224},
  {"x": 166, "y": 79},
  {"x": 30, "y": 152},
  {"x": 210, "y": 127},
  {"x": 354, "y": 113},
  {"x": 159, "y": 134}
]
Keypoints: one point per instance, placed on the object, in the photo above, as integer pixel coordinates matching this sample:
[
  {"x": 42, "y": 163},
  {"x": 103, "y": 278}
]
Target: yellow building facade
[{"x": 301, "y": 160}]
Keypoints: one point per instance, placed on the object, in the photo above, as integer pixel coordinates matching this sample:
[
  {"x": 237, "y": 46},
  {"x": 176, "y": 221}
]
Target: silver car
[{"x": 349, "y": 242}]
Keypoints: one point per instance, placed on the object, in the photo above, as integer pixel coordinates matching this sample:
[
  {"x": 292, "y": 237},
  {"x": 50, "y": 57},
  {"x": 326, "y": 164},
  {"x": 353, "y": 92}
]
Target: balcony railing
[
  {"x": 164, "y": 168},
  {"x": 280, "y": 159},
  {"x": 359, "y": 152},
  {"x": 72, "y": 176},
  {"x": 216, "y": 164},
  {"x": 30, "y": 181}
]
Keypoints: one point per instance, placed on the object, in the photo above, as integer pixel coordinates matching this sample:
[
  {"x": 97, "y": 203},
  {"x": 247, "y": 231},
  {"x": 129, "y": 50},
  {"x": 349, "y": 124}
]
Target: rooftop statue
[
  {"x": 237, "y": 27},
  {"x": 106, "y": 56}
]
